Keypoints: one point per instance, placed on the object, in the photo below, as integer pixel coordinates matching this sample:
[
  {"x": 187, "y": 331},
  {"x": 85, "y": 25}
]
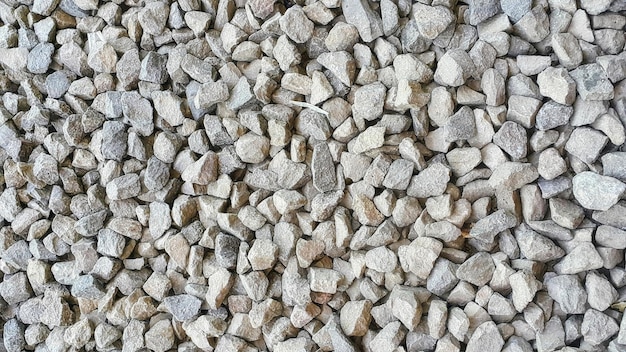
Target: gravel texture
[{"x": 312, "y": 175}]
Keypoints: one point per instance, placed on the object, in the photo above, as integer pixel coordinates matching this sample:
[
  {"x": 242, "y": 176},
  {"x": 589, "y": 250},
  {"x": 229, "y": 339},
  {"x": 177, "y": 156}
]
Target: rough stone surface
[
  {"x": 595, "y": 191},
  {"x": 328, "y": 175}
]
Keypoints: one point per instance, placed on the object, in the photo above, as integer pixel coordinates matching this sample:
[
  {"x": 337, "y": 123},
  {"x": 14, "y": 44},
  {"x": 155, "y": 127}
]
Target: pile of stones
[{"x": 312, "y": 175}]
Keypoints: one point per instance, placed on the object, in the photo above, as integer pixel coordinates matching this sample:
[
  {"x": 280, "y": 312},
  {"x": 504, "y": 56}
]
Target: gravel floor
[{"x": 312, "y": 175}]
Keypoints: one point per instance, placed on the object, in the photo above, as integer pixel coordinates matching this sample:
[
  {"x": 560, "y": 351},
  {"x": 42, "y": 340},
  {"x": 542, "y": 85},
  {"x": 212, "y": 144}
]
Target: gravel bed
[{"x": 312, "y": 175}]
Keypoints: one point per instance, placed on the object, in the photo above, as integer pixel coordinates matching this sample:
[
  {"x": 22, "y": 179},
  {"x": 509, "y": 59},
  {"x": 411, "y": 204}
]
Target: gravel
[{"x": 333, "y": 175}]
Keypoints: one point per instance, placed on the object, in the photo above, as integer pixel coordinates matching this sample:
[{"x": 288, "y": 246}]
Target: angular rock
[
  {"x": 454, "y": 67},
  {"x": 431, "y": 182},
  {"x": 597, "y": 192},
  {"x": 323, "y": 168},
  {"x": 488, "y": 227},
  {"x": 296, "y": 25},
  {"x": 511, "y": 137},
  {"x": 568, "y": 292},
  {"x": 486, "y": 337},
  {"x": 592, "y": 82},
  {"x": 477, "y": 270},
  {"x": 558, "y": 85},
  {"x": 431, "y": 21},
  {"x": 597, "y": 327},
  {"x": 359, "y": 14},
  {"x": 582, "y": 258}
]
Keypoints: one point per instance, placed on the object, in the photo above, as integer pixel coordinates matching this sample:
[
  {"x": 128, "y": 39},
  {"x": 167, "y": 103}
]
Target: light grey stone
[
  {"x": 568, "y": 292},
  {"x": 583, "y": 257},
  {"x": 486, "y": 337},
  {"x": 592, "y": 82},
  {"x": 595, "y": 191},
  {"x": 488, "y": 227},
  {"x": 600, "y": 292},
  {"x": 477, "y": 270},
  {"x": 430, "y": 182},
  {"x": 597, "y": 327},
  {"x": 454, "y": 67},
  {"x": 359, "y": 14},
  {"x": 512, "y": 138}
]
